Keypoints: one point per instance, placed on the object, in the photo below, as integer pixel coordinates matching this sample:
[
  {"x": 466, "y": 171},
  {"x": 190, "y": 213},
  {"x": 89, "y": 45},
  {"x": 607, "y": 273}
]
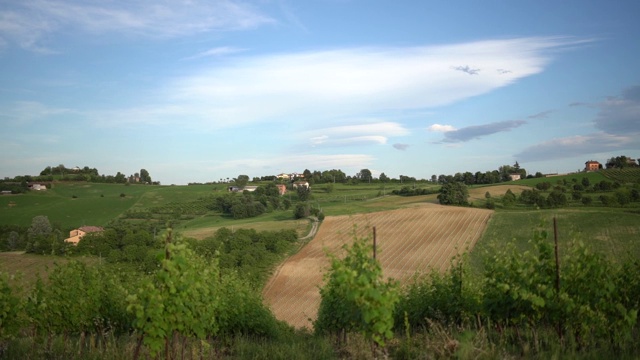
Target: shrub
[{"x": 302, "y": 211}]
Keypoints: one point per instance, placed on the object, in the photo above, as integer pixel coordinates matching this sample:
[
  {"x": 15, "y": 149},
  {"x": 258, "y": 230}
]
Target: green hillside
[{"x": 71, "y": 205}]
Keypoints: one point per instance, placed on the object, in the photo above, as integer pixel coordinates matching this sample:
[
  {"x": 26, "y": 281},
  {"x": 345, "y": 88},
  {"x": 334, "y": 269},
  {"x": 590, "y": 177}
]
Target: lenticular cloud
[{"x": 356, "y": 81}]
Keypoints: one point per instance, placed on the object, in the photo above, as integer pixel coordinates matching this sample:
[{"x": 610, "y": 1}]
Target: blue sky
[{"x": 196, "y": 91}]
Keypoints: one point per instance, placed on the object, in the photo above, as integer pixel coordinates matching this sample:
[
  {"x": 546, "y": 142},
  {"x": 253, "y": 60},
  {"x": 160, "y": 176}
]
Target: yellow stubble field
[{"x": 410, "y": 240}]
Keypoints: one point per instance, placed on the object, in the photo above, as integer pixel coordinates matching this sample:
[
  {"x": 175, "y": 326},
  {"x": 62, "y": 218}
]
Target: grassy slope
[
  {"x": 95, "y": 204},
  {"x": 610, "y": 231}
]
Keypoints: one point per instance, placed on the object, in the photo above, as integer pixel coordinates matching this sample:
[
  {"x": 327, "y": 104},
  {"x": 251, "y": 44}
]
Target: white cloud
[
  {"x": 387, "y": 128},
  {"x": 441, "y": 128},
  {"x": 219, "y": 51},
  {"x": 578, "y": 145},
  {"x": 22, "y": 112},
  {"x": 357, "y": 134},
  {"x": 300, "y": 161},
  {"x": 320, "y": 85},
  {"x": 27, "y": 23}
]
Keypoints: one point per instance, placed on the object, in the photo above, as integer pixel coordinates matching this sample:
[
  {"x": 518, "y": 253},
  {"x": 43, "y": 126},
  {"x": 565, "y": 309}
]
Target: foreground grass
[{"x": 438, "y": 342}]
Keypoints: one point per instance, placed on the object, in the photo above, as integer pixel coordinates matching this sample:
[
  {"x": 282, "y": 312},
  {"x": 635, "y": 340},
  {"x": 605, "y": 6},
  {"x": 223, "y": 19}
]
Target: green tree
[
  {"x": 509, "y": 198},
  {"x": 241, "y": 181},
  {"x": 302, "y": 210},
  {"x": 556, "y": 199},
  {"x": 39, "y": 235},
  {"x": 383, "y": 178},
  {"x": 364, "y": 175},
  {"x": 145, "y": 177},
  {"x": 453, "y": 193},
  {"x": 120, "y": 178},
  {"x": 304, "y": 192}
]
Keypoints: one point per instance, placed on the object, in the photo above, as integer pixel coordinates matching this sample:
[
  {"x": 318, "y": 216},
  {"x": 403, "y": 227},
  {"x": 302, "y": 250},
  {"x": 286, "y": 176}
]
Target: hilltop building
[{"x": 592, "y": 166}]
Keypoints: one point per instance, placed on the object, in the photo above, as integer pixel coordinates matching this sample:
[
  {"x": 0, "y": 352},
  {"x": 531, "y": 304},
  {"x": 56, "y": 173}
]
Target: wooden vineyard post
[{"x": 374, "y": 242}]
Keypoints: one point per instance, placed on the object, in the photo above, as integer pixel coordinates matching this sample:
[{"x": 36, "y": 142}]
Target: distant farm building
[
  {"x": 298, "y": 184},
  {"x": 291, "y": 176},
  {"x": 76, "y": 235},
  {"x": 515, "y": 177},
  {"x": 38, "y": 187},
  {"x": 241, "y": 189},
  {"x": 592, "y": 166}
]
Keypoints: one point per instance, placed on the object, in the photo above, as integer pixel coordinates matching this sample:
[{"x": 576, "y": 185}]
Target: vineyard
[
  {"x": 625, "y": 175},
  {"x": 409, "y": 240}
]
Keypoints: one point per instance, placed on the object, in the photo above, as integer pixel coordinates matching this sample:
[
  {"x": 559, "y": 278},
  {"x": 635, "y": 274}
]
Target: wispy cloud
[
  {"x": 478, "y": 131},
  {"x": 349, "y": 82},
  {"x": 621, "y": 114},
  {"x": 441, "y": 128},
  {"x": 401, "y": 147},
  {"x": 358, "y": 134},
  {"x": 467, "y": 69},
  {"x": 578, "y": 145},
  {"x": 619, "y": 128},
  {"x": 27, "y": 23},
  {"x": 300, "y": 161},
  {"x": 540, "y": 115},
  {"x": 218, "y": 51},
  {"x": 22, "y": 112}
]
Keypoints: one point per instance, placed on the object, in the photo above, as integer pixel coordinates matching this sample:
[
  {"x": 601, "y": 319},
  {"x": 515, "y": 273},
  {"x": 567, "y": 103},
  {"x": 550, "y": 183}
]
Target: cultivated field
[
  {"x": 478, "y": 193},
  {"x": 409, "y": 240}
]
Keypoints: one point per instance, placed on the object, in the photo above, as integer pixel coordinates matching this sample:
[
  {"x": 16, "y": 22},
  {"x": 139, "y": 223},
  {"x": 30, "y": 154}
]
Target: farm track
[{"x": 410, "y": 240}]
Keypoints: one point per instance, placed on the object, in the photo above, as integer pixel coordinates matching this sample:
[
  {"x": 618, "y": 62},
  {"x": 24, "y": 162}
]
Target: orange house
[
  {"x": 77, "y": 234},
  {"x": 592, "y": 166}
]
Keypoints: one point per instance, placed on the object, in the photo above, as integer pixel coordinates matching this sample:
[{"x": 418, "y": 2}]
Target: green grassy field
[
  {"x": 613, "y": 232},
  {"x": 75, "y": 204},
  {"x": 93, "y": 204},
  {"x": 593, "y": 177}
]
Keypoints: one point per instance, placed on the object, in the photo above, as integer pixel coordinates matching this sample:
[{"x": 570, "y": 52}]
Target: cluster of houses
[{"x": 281, "y": 187}]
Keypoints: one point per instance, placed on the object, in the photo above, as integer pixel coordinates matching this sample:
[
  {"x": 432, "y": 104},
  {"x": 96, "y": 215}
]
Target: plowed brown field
[{"x": 409, "y": 240}]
